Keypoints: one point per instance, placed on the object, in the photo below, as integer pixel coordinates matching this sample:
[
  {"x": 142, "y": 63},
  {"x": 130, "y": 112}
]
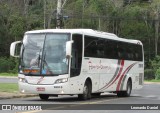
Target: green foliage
[
  {"x": 135, "y": 21},
  {"x": 155, "y": 63},
  {"x": 17, "y": 27},
  {"x": 158, "y": 74},
  {"x": 154, "y": 72},
  {"x": 9, "y": 65},
  {"x": 149, "y": 74}
]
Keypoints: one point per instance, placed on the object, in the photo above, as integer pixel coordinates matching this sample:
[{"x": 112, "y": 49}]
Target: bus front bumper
[{"x": 57, "y": 89}]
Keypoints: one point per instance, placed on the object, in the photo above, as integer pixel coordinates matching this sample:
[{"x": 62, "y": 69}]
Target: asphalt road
[
  {"x": 106, "y": 103},
  {"x": 8, "y": 79}
]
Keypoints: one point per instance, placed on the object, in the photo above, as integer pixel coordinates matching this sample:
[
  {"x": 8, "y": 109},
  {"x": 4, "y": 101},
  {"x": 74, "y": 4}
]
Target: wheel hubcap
[
  {"x": 85, "y": 90},
  {"x": 129, "y": 89}
]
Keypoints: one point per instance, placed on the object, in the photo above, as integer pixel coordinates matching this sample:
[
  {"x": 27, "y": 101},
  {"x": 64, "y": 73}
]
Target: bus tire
[
  {"x": 86, "y": 91},
  {"x": 43, "y": 96},
  {"x": 96, "y": 94},
  {"x": 126, "y": 93}
]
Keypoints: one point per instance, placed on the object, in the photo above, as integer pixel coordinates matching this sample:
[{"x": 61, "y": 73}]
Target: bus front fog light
[
  {"x": 62, "y": 92},
  {"x": 22, "y": 90}
]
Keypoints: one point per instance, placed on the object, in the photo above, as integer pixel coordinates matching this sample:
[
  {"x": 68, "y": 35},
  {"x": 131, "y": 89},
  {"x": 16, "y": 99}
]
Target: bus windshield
[{"x": 44, "y": 54}]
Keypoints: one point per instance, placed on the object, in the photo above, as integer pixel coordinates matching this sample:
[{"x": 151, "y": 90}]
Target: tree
[{"x": 155, "y": 8}]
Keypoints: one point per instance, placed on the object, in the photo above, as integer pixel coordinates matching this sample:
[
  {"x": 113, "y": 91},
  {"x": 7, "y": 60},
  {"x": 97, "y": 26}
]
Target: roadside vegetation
[
  {"x": 152, "y": 71},
  {"x": 9, "y": 74},
  {"x": 153, "y": 80},
  {"x": 136, "y": 20},
  {"x": 9, "y": 87},
  {"x": 8, "y": 66}
]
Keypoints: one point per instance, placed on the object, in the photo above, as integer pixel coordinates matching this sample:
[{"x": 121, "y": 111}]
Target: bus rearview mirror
[
  {"x": 69, "y": 48},
  {"x": 15, "y": 48}
]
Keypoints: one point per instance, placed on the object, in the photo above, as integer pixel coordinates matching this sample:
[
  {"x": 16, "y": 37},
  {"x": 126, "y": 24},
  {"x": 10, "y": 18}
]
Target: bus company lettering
[{"x": 100, "y": 66}]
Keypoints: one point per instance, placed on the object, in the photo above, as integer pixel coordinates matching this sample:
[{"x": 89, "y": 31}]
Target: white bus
[{"x": 81, "y": 62}]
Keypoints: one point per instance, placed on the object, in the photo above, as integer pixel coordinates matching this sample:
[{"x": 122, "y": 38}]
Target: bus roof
[{"x": 89, "y": 32}]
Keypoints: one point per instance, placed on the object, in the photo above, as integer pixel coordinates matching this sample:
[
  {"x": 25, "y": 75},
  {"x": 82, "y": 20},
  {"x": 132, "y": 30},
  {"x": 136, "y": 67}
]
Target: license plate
[{"x": 40, "y": 89}]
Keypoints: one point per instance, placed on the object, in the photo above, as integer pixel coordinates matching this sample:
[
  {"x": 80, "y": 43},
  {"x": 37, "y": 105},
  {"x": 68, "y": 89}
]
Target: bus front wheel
[
  {"x": 86, "y": 91},
  {"x": 43, "y": 96}
]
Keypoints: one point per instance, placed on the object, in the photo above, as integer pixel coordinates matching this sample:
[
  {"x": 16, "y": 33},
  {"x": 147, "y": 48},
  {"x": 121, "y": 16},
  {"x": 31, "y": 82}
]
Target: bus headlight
[
  {"x": 63, "y": 80},
  {"x": 23, "y": 80}
]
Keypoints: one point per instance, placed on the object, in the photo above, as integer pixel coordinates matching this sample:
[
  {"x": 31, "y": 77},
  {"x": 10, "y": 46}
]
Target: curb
[{"x": 14, "y": 95}]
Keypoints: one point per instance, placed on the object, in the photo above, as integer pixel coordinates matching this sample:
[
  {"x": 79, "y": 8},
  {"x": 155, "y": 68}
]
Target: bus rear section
[{"x": 114, "y": 64}]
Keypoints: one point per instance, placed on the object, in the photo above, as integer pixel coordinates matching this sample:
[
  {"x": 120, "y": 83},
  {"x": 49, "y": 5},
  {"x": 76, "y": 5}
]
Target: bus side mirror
[
  {"x": 69, "y": 48},
  {"x": 15, "y": 49}
]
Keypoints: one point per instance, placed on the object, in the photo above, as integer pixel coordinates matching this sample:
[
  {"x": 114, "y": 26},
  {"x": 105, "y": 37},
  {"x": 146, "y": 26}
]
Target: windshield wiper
[
  {"x": 44, "y": 60},
  {"x": 39, "y": 57},
  {"x": 36, "y": 63}
]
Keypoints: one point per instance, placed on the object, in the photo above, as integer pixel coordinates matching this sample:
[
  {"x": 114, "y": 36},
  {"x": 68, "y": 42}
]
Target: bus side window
[
  {"x": 91, "y": 47},
  {"x": 100, "y": 48},
  {"x": 110, "y": 49},
  {"x": 76, "y": 59}
]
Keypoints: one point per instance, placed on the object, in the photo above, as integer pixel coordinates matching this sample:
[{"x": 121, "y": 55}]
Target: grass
[
  {"x": 9, "y": 74},
  {"x": 9, "y": 87},
  {"x": 152, "y": 80}
]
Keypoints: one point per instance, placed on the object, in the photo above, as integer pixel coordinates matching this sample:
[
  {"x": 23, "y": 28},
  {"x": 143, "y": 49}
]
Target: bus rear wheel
[
  {"x": 126, "y": 93},
  {"x": 86, "y": 91},
  {"x": 43, "y": 96}
]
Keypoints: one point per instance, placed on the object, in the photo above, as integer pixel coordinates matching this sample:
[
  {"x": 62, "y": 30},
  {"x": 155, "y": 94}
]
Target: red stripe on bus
[
  {"x": 120, "y": 71},
  {"x": 112, "y": 78},
  {"x": 122, "y": 76}
]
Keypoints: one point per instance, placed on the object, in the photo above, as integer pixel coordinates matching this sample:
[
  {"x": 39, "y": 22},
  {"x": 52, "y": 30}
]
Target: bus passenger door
[{"x": 76, "y": 61}]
